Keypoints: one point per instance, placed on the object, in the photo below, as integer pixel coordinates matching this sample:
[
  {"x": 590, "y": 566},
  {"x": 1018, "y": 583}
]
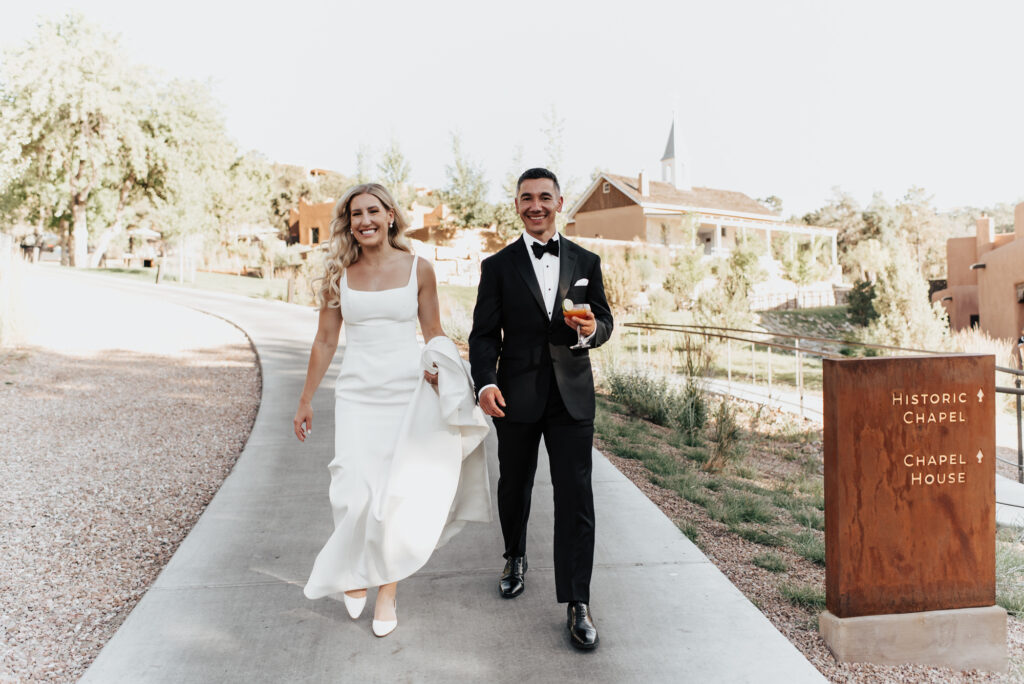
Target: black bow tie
[{"x": 539, "y": 249}]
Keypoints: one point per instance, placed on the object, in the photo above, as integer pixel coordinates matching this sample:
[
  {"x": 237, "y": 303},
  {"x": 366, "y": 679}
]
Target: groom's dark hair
[{"x": 538, "y": 172}]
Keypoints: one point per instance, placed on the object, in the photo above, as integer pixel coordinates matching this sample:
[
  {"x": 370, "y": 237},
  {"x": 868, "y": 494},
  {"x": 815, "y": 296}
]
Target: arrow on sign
[
  {"x": 981, "y": 395},
  {"x": 980, "y": 455}
]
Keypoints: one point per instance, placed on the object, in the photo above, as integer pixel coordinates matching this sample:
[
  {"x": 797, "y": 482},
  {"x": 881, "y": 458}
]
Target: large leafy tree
[
  {"x": 506, "y": 220},
  {"x": 466, "y": 191},
  {"x": 394, "y": 172},
  {"x": 71, "y": 113}
]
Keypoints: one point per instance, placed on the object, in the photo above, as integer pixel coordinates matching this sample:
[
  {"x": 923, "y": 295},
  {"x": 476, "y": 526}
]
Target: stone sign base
[{"x": 961, "y": 639}]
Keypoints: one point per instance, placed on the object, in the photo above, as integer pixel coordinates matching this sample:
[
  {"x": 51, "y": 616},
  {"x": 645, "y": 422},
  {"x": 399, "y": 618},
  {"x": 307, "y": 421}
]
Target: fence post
[
  {"x": 728, "y": 362},
  {"x": 769, "y": 348},
  {"x": 1020, "y": 446},
  {"x": 800, "y": 376},
  {"x": 753, "y": 363}
]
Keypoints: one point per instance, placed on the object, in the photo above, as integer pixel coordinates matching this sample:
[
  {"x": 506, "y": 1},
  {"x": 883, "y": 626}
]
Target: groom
[{"x": 532, "y": 384}]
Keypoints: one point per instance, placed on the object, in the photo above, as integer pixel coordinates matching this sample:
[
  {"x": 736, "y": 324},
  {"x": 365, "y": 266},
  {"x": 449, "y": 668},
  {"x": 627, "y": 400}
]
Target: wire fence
[{"x": 780, "y": 363}]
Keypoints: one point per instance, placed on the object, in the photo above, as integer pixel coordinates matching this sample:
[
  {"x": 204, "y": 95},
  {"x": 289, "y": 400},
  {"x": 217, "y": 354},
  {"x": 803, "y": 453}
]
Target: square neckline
[{"x": 412, "y": 276}]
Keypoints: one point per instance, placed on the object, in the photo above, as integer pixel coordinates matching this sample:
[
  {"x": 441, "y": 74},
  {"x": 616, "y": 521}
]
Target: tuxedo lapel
[
  {"x": 566, "y": 267},
  {"x": 521, "y": 260}
]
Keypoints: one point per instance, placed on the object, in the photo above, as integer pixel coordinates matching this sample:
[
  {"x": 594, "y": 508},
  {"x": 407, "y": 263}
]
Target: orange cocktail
[{"x": 580, "y": 310}]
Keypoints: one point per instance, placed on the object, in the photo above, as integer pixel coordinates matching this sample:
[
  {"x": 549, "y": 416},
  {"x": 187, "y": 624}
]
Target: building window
[
  {"x": 606, "y": 188},
  {"x": 975, "y": 320},
  {"x": 723, "y": 231},
  {"x": 315, "y": 235}
]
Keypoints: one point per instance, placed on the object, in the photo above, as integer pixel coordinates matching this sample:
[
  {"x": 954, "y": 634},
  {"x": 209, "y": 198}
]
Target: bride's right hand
[{"x": 303, "y": 415}]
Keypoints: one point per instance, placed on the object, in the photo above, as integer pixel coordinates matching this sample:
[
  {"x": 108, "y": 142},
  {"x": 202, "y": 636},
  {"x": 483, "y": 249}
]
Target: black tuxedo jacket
[{"x": 513, "y": 344}]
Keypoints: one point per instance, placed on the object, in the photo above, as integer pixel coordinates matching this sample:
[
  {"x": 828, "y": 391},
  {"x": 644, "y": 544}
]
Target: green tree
[
  {"x": 728, "y": 304},
  {"x": 843, "y": 213},
  {"x": 905, "y": 316},
  {"x": 394, "y": 173},
  {"x": 70, "y": 108},
  {"x": 466, "y": 191},
  {"x": 506, "y": 220},
  {"x": 860, "y": 303},
  {"x": 364, "y": 164},
  {"x": 688, "y": 270}
]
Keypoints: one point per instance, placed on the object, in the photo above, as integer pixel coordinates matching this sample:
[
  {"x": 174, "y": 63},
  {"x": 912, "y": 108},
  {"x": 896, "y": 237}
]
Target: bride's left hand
[{"x": 430, "y": 377}]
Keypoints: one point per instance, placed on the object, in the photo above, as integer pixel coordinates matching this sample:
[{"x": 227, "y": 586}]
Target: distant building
[
  {"x": 310, "y": 224},
  {"x": 673, "y": 213},
  {"x": 985, "y": 279}
]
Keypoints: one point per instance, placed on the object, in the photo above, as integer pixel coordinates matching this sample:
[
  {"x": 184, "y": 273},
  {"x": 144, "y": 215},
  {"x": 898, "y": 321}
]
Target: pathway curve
[{"x": 229, "y": 605}]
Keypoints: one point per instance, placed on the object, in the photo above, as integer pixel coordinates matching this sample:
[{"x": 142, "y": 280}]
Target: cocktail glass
[{"x": 581, "y": 309}]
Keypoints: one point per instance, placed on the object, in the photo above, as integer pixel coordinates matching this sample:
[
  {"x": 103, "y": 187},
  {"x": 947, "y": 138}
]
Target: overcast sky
[{"x": 786, "y": 97}]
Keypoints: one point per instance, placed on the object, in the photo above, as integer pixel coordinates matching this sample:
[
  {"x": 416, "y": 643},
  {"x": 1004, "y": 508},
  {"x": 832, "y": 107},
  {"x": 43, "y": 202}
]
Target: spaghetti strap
[{"x": 412, "y": 276}]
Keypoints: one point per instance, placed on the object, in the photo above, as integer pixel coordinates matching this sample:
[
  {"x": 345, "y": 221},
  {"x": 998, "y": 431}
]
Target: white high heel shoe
[
  {"x": 382, "y": 628},
  {"x": 354, "y": 605}
]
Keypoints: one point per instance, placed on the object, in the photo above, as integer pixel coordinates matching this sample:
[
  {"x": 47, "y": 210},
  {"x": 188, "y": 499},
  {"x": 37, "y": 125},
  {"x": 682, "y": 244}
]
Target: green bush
[
  {"x": 644, "y": 395},
  {"x": 860, "y": 305},
  {"x": 741, "y": 507},
  {"x": 809, "y": 596},
  {"x": 770, "y": 561},
  {"x": 757, "y": 535},
  {"x": 809, "y": 545},
  {"x": 726, "y": 438}
]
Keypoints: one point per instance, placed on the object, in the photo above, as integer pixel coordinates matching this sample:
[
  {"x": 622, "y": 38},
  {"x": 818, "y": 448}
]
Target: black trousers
[{"x": 569, "y": 443}]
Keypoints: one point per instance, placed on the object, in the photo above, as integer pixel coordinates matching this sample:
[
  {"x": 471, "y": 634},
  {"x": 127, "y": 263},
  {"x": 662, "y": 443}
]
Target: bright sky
[{"x": 787, "y": 97}]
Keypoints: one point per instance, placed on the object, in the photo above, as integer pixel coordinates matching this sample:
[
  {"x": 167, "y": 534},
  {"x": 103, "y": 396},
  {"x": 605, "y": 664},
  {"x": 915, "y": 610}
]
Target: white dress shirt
[{"x": 546, "y": 269}]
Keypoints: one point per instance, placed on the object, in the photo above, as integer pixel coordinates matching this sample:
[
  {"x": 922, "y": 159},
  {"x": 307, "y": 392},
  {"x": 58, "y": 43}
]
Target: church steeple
[{"x": 675, "y": 168}]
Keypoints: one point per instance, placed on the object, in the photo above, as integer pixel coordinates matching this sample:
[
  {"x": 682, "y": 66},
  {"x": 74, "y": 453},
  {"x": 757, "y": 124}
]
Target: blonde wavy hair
[{"x": 342, "y": 248}]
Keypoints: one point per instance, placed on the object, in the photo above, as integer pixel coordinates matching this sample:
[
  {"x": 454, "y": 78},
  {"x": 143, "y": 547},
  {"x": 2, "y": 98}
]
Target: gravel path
[{"x": 120, "y": 417}]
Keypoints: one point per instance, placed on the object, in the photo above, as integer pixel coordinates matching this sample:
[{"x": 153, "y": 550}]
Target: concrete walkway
[{"x": 229, "y": 605}]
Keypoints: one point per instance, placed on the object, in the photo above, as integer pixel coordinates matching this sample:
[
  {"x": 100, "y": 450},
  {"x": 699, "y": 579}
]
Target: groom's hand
[
  {"x": 585, "y": 325},
  {"x": 490, "y": 400}
]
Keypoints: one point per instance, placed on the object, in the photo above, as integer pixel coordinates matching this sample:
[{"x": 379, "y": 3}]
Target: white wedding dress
[{"x": 409, "y": 467}]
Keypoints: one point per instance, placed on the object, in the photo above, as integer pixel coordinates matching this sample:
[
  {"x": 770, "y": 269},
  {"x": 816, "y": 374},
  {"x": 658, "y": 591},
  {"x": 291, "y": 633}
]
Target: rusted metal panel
[{"x": 909, "y": 484}]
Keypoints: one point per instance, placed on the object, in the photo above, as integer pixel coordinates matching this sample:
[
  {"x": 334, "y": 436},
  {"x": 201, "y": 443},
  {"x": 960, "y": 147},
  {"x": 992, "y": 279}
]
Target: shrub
[
  {"x": 740, "y": 507},
  {"x": 757, "y": 535},
  {"x": 809, "y": 545},
  {"x": 808, "y": 596},
  {"x": 860, "y": 303},
  {"x": 770, "y": 561},
  {"x": 726, "y": 437},
  {"x": 644, "y": 395},
  {"x": 810, "y": 517}
]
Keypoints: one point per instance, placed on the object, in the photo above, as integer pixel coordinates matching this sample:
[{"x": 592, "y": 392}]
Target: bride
[{"x": 408, "y": 467}]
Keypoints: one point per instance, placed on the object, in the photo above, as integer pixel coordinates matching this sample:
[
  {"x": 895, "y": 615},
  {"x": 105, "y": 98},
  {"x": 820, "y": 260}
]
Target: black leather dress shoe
[
  {"x": 513, "y": 577},
  {"x": 582, "y": 632}
]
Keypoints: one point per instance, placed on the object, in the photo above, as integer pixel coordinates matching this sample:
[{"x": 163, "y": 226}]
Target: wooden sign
[{"x": 909, "y": 484}]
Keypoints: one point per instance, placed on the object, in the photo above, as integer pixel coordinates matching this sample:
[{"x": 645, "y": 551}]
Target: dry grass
[{"x": 783, "y": 455}]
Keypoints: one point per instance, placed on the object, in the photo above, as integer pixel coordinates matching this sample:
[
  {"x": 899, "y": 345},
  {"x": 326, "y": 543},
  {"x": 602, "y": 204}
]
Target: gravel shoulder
[{"x": 121, "y": 417}]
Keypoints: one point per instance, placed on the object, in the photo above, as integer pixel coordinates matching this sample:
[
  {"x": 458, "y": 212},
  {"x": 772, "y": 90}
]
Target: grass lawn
[
  {"x": 221, "y": 282},
  {"x": 276, "y": 288}
]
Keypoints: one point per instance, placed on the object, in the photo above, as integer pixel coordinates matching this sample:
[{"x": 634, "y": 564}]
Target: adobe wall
[
  {"x": 960, "y": 254},
  {"x": 1001, "y": 314},
  {"x": 961, "y": 307},
  {"x": 620, "y": 223}
]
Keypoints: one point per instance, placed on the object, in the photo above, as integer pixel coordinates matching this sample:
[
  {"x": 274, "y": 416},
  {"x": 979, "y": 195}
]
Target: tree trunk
[
  {"x": 103, "y": 242},
  {"x": 79, "y": 237},
  {"x": 65, "y": 244}
]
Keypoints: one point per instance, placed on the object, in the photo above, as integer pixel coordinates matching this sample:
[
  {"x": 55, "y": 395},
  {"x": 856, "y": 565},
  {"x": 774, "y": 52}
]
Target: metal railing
[{"x": 799, "y": 347}]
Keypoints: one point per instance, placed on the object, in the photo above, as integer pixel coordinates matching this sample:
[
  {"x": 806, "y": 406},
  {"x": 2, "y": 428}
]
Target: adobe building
[
  {"x": 672, "y": 212},
  {"x": 985, "y": 279},
  {"x": 309, "y": 224}
]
